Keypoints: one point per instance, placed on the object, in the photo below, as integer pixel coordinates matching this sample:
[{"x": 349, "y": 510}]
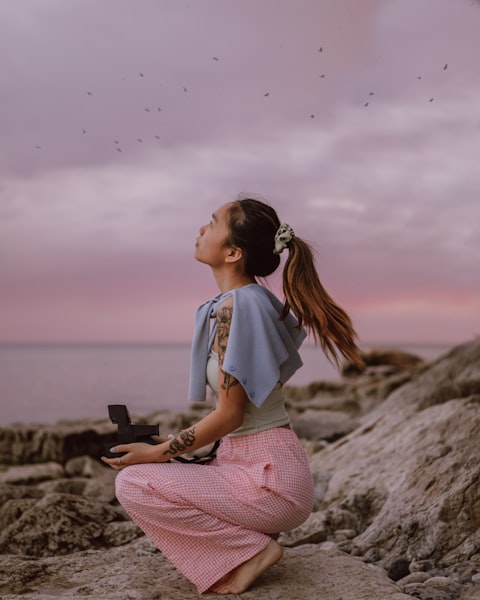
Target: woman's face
[{"x": 210, "y": 245}]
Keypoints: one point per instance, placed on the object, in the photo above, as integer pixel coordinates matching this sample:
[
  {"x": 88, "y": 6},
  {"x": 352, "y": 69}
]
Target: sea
[{"x": 46, "y": 383}]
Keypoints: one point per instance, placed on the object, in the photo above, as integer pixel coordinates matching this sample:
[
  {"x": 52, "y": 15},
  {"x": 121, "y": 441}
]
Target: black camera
[{"x": 127, "y": 431}]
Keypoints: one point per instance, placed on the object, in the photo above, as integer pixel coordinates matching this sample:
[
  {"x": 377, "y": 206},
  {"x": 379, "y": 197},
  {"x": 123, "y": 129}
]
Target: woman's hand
[{"x": 138, "y": 452}]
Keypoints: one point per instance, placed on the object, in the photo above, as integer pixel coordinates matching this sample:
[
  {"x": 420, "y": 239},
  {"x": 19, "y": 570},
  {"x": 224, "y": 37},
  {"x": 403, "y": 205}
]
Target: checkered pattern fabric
[{"x": 209, "y": 519}]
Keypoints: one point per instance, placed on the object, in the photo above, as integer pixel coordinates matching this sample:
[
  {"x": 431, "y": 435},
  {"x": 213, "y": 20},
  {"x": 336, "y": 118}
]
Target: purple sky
[{"x": 125, "y": 124}]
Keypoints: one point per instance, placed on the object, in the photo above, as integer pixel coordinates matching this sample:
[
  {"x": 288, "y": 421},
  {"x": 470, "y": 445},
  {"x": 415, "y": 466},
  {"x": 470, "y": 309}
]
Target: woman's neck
[{"x": 227, "y": 281}]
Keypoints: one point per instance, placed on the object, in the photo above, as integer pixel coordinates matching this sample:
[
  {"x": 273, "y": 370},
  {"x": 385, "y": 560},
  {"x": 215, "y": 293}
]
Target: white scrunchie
[{"x": 284, "y": 234}]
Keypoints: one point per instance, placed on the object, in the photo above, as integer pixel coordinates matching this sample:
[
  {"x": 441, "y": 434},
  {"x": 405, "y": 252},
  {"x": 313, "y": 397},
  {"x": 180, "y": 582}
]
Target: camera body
[{"x": 127, "y": 431}]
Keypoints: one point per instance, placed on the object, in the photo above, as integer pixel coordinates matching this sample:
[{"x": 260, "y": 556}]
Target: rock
[
  {"x": 345, "y": 404},
  {"x": 137, "y": 571},
  {"x": 425, "y": 591},
  {"x": 58, "y": 524},
  {"x": 439, "y": 581},
  {"x": 26, "y": 474},
  {"x": 311, "y": 447},
  {"x": 384, "y": 357},
  {"x": 313, "y": 531},
  {"x": 398, "y": 569},
  {"x": 354, "y": 397},
  {"x": 408, "y": 476},
  {"x": 99, "y": 479},
  {"x": 421, "y": 566},
  {"x": 101, "y": 489},
  {"x": 321, "y": 481},
  {"x": 330, "y": 389},
  {"x": 470, "y": 592},
  {"x": 323, "y": 425},
  {"x": 28, "y": 444},
  {"x": 85, "y": 466},
  {"x": 17, "y": 492},
  {"x": 119, "y": 533},
  {"x": 417, "y": 577}
]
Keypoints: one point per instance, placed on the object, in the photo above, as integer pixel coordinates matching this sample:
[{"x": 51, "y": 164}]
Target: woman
[{"x": 217, "y": 522}]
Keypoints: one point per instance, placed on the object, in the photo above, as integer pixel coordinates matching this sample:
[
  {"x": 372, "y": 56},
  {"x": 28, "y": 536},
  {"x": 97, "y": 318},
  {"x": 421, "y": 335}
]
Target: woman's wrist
[
  {"x": 177, "y": 444},
  {"x": 182, "y": 442}
]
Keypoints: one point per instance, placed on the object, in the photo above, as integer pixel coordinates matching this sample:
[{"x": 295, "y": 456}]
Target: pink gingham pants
[{"x": 209, "y": 519}]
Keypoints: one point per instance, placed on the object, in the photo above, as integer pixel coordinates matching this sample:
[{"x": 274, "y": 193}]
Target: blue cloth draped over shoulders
[{"x": 262, "y": 350}]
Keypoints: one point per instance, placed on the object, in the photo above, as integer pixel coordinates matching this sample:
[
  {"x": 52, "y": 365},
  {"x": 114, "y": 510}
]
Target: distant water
[{"x": 46, "y": 383}]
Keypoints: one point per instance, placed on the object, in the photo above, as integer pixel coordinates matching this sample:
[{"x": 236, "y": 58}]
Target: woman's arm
[{"x": 227, "y": 416}]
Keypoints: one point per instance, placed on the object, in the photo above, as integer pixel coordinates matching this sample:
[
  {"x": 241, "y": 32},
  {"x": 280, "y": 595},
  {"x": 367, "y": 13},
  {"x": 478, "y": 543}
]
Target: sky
[{"x": 125, "y": 123}]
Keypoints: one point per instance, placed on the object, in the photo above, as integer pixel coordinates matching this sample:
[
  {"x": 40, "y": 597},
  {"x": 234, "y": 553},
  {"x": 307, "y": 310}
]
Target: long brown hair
[{"x": 252, "y": 227}]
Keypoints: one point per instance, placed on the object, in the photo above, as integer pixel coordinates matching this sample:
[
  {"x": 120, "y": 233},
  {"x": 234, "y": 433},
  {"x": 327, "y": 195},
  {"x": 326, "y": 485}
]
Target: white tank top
[{"x": 272, "y": 413}]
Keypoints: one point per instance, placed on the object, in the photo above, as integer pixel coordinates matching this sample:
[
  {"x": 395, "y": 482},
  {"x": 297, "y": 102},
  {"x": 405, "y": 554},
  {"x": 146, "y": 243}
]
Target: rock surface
[
  {"x": 126, "y": 574},
  {"x": 394, "y": 455}
]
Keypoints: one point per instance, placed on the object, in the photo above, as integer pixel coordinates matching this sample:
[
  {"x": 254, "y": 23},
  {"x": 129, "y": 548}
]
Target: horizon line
[{"x": 366, "y": 344}]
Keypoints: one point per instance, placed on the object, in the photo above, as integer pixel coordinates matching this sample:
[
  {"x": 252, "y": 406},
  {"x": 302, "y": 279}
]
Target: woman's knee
[{"x": 125, "y": 485}]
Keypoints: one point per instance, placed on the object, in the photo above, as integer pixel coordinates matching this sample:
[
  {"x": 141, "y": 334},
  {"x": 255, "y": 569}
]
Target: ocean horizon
[{"x": 48, "y": 382}]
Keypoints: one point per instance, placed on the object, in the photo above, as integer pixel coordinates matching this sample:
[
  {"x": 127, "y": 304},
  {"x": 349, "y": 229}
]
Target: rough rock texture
[
  {"x": 138, "y": 572},
  {"x": 22, "y": 444},
  {"x": 397, "y": 511},
  {"x": 407, "y": 480}
]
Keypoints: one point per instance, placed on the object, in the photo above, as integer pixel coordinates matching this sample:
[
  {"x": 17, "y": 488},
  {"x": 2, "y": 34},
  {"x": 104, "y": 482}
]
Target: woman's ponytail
[
  {"x": 313, "y": 306},
  {"x": 255, "y": 228}
]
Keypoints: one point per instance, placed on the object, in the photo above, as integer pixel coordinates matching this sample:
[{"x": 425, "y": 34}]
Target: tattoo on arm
[
  {"x": 224, "y": 320},
  {"x": 181, "y": 442}
]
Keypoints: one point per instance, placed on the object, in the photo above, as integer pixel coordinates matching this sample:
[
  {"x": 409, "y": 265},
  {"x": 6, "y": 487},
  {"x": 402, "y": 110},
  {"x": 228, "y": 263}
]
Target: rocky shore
[{"x": 394, "y": 453}]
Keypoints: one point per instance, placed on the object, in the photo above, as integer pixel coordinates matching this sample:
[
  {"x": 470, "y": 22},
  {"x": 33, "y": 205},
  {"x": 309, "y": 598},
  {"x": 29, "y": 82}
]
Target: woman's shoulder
[{"x": 255, "y": 298}]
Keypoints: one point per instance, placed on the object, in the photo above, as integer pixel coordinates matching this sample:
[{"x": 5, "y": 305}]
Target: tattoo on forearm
[
  {"x": 182, "y": 441},
  {"x": 224, "y": 320}
]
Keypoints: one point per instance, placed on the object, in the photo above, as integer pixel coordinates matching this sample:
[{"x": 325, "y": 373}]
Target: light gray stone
[
  {"x": 439, "y": 581},
  {"x": 408, "y": 476},
  {"x": 313, "y": 531},
  {"x": 137, "y": 572},
  {"x": 323, "y": 425},
  {"x": 417, "y": 577},
  {"x": 27, "y": 474}
]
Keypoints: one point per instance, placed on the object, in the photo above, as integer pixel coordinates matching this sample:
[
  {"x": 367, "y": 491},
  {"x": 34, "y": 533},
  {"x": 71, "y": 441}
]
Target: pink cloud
[{"x": 97, "y": 243}]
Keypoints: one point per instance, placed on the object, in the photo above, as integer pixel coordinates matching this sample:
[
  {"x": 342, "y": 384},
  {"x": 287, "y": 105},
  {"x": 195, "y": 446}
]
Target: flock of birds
[{"x": 158, "y": 109}]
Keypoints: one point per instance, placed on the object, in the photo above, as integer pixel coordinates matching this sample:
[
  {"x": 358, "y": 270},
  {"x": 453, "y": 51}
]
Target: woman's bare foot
[{"x": 241, "y": 578}]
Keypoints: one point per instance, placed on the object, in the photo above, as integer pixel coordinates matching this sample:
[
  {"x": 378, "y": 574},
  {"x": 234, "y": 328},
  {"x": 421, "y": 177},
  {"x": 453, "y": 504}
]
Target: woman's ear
[{"x": 234, "y": 254}]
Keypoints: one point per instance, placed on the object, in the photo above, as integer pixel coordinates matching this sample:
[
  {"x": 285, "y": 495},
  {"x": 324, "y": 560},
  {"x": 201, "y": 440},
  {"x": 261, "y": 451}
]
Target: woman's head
[
  {"x": 248, "y": 232},
  {"x": 252, "y": 226},
  {"x": 255, "y": 228}
]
